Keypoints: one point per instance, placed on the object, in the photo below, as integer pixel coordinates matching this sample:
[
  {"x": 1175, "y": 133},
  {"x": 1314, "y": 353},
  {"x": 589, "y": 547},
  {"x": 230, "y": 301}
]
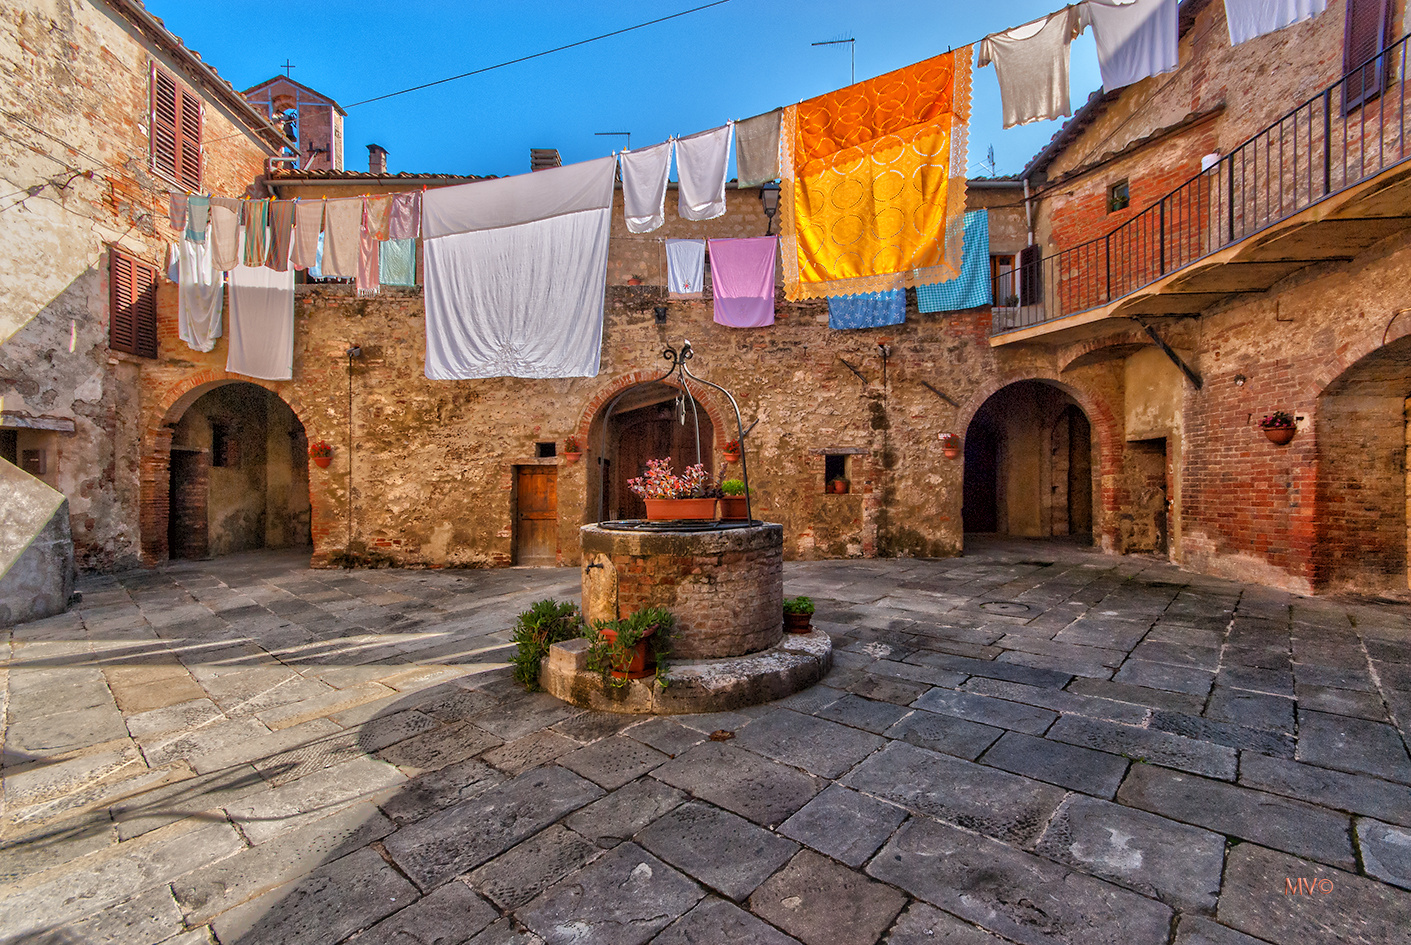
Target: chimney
[
  {"x": 376, "y": 159},
  {"x": 544, "y": 158}
]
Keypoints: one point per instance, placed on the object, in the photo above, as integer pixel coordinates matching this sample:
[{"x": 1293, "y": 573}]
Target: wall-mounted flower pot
[
  {"x": 322, "y": 461},
  {"x": 572, "y": 456},
  {"x": 665, "y": 510},
  {"x": 1280, "y": 436},
  {"x": 730, "y": 456}
]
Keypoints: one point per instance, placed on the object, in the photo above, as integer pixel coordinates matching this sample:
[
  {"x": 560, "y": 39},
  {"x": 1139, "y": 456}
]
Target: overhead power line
[{"x": 537, "y": 55}]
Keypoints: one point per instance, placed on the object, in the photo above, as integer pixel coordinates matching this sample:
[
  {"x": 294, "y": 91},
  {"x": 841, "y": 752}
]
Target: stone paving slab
[{"x": 389, "y": 708}]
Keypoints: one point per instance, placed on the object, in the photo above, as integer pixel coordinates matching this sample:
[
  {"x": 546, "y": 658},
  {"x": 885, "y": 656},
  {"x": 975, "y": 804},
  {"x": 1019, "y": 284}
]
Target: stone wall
[{"x": 77, "y": 80}]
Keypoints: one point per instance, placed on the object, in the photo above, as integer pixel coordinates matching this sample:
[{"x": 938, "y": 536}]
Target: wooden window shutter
[
  {"x": 1031, "y": 276},
  {"x": 165, "y": 146},
  {"x": 132, "y": 310},
  {"x": 189, "y": 152},
  {"x": 1366, "y": 34}
]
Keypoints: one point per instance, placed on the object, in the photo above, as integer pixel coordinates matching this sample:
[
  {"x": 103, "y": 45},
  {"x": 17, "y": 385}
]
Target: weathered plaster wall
[{"x": 76, "y": 100}]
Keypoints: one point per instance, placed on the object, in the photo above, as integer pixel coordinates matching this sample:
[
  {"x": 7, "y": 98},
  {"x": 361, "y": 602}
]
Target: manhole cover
[{"x": 1007, "y": 607}]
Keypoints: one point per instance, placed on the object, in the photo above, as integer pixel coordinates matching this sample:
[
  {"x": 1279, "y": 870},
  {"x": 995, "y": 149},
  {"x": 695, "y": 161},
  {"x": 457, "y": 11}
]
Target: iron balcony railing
[{"x": 1351, "y": 131}]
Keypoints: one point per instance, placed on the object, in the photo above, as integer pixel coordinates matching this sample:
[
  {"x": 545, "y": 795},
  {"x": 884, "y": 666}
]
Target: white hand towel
[
  {"x": 261, "y": 323},
  {"x": 702, "y": 163},
  {"x": 644, "y": 174},
  {"x": 685, "y": 267}
]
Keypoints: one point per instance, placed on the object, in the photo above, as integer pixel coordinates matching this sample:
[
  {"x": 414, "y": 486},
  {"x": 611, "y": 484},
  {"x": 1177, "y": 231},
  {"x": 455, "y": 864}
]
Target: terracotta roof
[
  {"x": 1096, "y": 104},
  {"x": 201, "y": 72},
  {"x": 281, "y": 176}
]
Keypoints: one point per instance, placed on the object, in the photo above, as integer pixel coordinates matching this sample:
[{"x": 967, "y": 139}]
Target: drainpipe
[{"x": 1028, "y": 212}]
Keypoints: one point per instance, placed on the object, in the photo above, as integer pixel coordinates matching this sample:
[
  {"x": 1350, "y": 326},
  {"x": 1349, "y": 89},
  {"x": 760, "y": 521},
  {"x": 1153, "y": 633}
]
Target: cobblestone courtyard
[{"x": 1034, "y": 743}]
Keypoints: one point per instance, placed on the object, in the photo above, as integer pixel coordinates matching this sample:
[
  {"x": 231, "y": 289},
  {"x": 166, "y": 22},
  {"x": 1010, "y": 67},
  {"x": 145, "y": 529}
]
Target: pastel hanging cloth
[
  {"x": 368, "y": 266},
  {"x": 404, "y": 222},
  {"x": 516, "y": 272},
  {"x": 644, "y": 174},
  {"x": 1031, "y": 63},
  {"x": 281, "y": 233},
  {"x": 971, "y": 289},
  {"x": 342, "y": 237},
  {"x": 377, "y": 215},
  {"x": 225, "y": 237},
  {"x": 261, "y": 323},
  {"x": 757, "y": 148},
  {"x": 200, "y": 295},
  {"x": 1247, "y": 19},
  {"x": 198, "y": 217},
  {"x": 685, "y": 268},
  {"x": 742, "y": 281},
  {"x": 256, "y": 232},
  {"x": 1134, "y": 40},
  {"x": 867, "y": 310},
  {"x": 397, "y": 263},
  {"x": 702, "y": 163},
  {"x": 873, "y": 181},
  {"x": 176, "y": 211},
  {"x": 308, "y": 227},
  {"x": 233, "y": 204}
]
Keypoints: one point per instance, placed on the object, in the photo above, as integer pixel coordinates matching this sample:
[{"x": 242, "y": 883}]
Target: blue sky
[{"x": 678, "y": 77}]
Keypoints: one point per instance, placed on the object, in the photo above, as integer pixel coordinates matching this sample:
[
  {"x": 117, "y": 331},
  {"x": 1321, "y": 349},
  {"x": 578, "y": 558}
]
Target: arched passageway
[
  {"x": 1029, "y": 465},
  {"x": 239, "y": 475},
  {"x": 1363, "y": 448},
  {"x": 642, "y": 423}
]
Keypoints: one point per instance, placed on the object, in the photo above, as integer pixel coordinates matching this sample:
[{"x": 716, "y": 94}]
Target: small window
[
  {"x": 546, "y": 450},
  {"x": 835, "y": 473},
  {"x": 225, "y": 447},
  {"x": 132, "y": 311},
  {"x": 176, "y": 130},
  {"x": 1118, "y": 197}
]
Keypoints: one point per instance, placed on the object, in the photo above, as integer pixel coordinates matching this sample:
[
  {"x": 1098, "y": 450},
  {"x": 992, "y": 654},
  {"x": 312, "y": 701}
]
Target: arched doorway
[
  {"x": 640, "y": 424},
  {"x": 239, "y": 475},
  {"x": 1363, "y": 443},
  {"x": 1029, "y": 465}
]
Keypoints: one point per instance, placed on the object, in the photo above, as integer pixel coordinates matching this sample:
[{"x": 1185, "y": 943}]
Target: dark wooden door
[
  {"x": 980, "y": 500},
  {"x": 536, "y": 515}
]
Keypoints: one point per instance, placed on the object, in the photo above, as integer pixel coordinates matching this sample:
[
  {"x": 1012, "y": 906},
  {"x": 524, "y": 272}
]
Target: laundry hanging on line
[
  {"x": 404, "y": 222},
  {"x": 1135, "y": 39},
  {"x": 702, "y": 166},
  {"x": 1247, "y": 19},
  {"x": 200, "y": 294},
  {"x": 198, "y": 217},
  {"x": 970, "y": 289},
  {"x": 873, "y": 186},
  {"x": 685, "y": 268},
  {"x": 516, "y": 273},
  {"x": 176, "y": 211},
  {"x": 1031, "y": 63},
  {"x": 369, "y": 267},
  {"x": 225, "y": 236},
  {"x": 256, "y": 232},
  {"x": 281, "y": 232},
  {"x": 308, "y": 228},
  {"x": 644, "y": 176},
  {"x": 742, "y": 280},
  {"x": 342, "y": 236},
  {"x": 396, "y": 262},
  {"x": 867, "y": 309},
  {"x": 757, "y": 148},
  {"x": 261, "y": 323}
]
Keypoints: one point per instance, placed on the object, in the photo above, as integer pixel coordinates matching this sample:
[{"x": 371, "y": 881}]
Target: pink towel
[
  {"x": 405, "y": 221},
  {"x": 742, "y": 273},
  {"x": 368, "y": 245}
]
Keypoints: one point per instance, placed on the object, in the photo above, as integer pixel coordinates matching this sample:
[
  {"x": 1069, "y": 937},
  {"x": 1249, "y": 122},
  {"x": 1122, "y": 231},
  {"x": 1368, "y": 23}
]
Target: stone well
[{"x": 724, "y": 586}]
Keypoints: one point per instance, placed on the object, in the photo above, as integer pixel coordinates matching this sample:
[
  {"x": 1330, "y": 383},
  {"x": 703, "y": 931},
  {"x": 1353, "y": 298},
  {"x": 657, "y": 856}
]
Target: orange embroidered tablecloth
[{"x": 873, "y": 181}]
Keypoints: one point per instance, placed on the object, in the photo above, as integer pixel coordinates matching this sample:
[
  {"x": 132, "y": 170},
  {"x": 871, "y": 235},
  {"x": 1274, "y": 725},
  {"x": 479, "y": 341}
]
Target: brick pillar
[{"x": 154, "y": 478}]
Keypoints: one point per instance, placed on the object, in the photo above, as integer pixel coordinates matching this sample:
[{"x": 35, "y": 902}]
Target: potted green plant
[
  {"x": 839, "y": 486},
  {"x": 798, "y": 614},
  {"x": 545, "y": 623},
  {"x": 321, "y": 453},
  {"x": 690, "y": 495},
  {"x": 571, "y": 449},
  {"x": 731, "y": 453},
  {"x": 733, "y": 506},
  {"x": 1280, "y": 427},
  {"x": 950, "y": 445},
  {"x": 631, "y": 648}
]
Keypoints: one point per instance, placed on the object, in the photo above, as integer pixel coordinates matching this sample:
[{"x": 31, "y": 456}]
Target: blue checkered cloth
[
  {"x": 970, "y": 289},
  {"x": 868, "y": 310}
]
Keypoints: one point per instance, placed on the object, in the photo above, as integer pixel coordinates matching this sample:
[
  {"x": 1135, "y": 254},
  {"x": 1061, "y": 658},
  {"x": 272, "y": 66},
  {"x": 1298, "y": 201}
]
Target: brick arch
[
  {"x": 1105, "y": 429},
  {"x": 1354, "y": 352},
  {"x": 154, "y": 471},
  {"x": 717, "y": 408},
  {"x": 1085, "y": 352}
]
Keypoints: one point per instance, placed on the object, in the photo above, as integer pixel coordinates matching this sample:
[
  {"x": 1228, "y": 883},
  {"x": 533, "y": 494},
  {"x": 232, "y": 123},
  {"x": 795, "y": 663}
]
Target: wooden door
[{"x": 536, "y": 532}]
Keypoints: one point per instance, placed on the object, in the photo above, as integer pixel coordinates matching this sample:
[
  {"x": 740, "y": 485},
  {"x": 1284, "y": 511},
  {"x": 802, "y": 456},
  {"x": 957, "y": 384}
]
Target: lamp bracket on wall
[
  {"x": 940, "y": 395},
  {"x": 1170, "y": 352},
  {"x": 850, "y": 367}
]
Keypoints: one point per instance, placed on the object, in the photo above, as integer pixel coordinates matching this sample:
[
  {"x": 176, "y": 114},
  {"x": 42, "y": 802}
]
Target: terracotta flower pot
[
  {"x": 572, "y": 456},
  {"x": 642, "y": 664},
  {"x": 951, "y": 452},
  {"x": 1280, "y": 436},
  {"x": 838, "y": 487},
  {"x": 665, "y": 510},
  {"x": 730, "y": 456},
  {"x": 322, "y": 461},
  {"x": 798, "y": 623},
  {"x": 732, "y": 508}
]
